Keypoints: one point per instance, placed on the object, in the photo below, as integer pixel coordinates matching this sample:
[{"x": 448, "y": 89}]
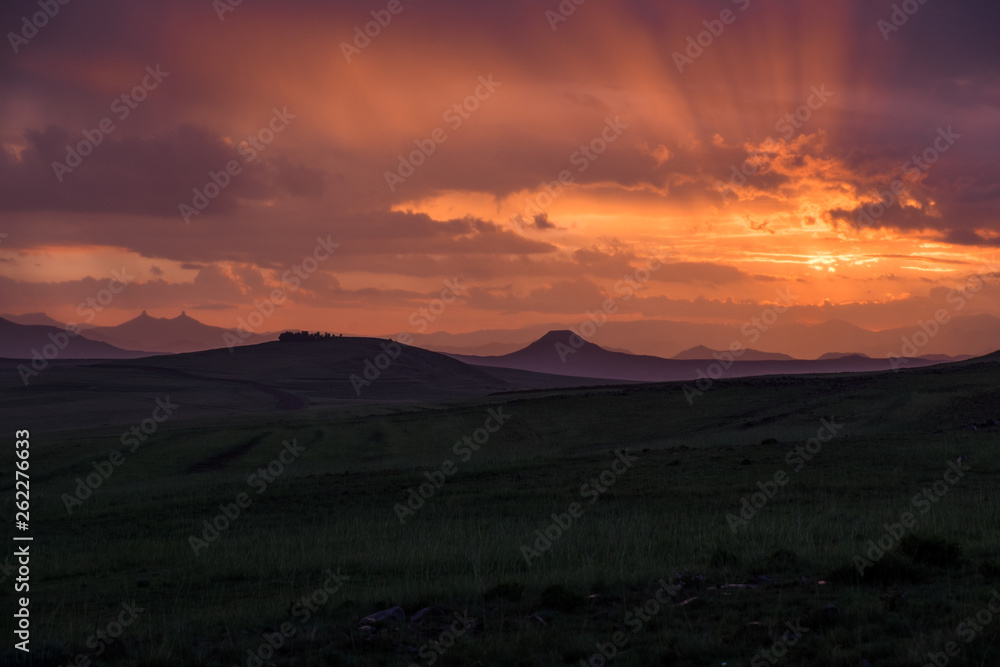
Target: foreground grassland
[{"x": 732, "y": 593}]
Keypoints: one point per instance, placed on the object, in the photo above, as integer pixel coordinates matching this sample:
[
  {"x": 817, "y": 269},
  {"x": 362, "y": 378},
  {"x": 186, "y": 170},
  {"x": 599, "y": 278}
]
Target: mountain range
[
  {"x": 749, "y": 354},
  {"x": 173, "y": 335},
  {"x": 961, "y": 337},
  {"x": 646, "y": 350},
  {"x": 282, "y": 376},
  {"x": 565, "y": 353},
  {"x": 255, "y": 379},
  {"x": 140, "y": 336}
]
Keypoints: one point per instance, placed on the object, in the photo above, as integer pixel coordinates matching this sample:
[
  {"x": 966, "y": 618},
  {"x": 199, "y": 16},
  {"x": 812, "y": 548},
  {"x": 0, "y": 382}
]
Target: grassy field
[{"x": 649, "y": 560}]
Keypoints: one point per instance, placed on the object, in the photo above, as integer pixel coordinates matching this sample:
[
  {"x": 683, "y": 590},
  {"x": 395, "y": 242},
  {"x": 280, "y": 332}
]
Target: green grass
[{"x": 663, "y": 519}]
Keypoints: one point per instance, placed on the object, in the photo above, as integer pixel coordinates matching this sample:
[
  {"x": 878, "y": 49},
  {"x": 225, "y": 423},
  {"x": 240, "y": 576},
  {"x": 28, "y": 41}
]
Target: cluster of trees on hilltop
[{"x": 304, "y": 336}]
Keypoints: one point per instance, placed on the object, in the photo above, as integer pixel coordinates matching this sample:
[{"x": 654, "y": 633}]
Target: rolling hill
[
  {"x": 256, "y": 379},
  {"x": 25, "y": 341},
  {"x": 38, "y": 318}
]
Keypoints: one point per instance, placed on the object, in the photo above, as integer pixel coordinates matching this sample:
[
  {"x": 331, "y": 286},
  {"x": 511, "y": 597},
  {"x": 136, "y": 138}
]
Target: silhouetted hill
[
  {"x": 254, "y": 379},
  {"x": 946, "y": 357},
  {"x": 963, "y": 335},
  {"x": 22, "y": 341},
  {"x": 350, "y": 371},
  {"x": 565, "y": 353},
  {"x": 36, "y": 319}
]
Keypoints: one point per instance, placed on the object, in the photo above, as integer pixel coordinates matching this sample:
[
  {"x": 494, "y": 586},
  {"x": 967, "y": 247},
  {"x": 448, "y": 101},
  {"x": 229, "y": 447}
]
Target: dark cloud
[
  {"x": 142, "y": 176},
  {"x": 705, "y": 273},
  {"x": 542, "y": 222}
]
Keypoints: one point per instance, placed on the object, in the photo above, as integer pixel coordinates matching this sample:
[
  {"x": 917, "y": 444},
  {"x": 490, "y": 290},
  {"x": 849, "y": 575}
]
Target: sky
[{"x": 343, "y": 165}]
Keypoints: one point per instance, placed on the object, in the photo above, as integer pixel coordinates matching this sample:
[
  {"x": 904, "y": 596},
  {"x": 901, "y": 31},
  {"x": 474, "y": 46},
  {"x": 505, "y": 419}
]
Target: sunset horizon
[
  {"x": 842, "y": 162},
  {"x": 543, "y": 333}
]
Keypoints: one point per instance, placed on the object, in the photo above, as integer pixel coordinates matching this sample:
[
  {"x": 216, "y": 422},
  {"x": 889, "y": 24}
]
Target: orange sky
[{"x": 646, "y": 152}]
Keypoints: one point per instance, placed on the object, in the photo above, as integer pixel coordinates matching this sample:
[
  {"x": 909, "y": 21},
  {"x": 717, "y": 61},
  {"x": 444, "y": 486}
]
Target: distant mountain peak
[
  {"x": 831, "y": 356},
  {"x": 564, "y": 336},
  {"x": 181, "y": 333},
  {"x": 696, "y": 352},
  {"x": 558, "y": 333},
  {"x": 146, "y": 318}
]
